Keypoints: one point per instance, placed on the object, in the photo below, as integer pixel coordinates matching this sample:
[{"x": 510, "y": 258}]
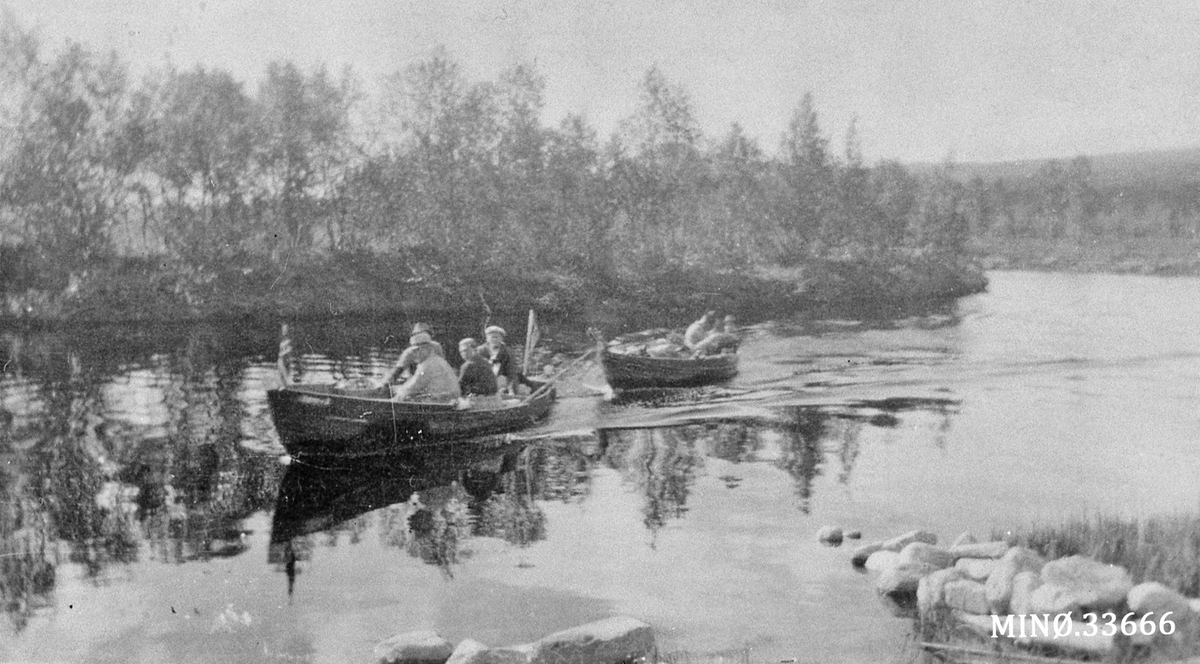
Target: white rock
[
  {"x": 901, "y": 541},
  {"x": 902, "y": 579},
  {"x": 980, "y": 550},
  {"x": 1091, "y": 583},
  {"x": 1154, "y": 597},
  {"x": 829, "y": 535},
  {"x": 967, "y": 537},
  {"x": 976, "y": 568},
  {"x": 608, "y": 641},
  {"x": 882, "y": 560},
  {"x": 1052, "y": 599},
  {"x": 999, "y": 582},
  {"x": 966, "y": 595},
  {"x": 419, "y": 647},
  {"x": 930, "y": 589},
  {"x": 1023, "y": 585},
  {"x": 860, "y": 555},
  {"x": 928, "y": 554},
  {"x": 470, "y": 651}
]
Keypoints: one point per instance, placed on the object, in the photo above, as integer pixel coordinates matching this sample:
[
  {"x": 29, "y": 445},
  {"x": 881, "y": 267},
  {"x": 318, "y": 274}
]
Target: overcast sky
[{"x": 973, "y": 80}]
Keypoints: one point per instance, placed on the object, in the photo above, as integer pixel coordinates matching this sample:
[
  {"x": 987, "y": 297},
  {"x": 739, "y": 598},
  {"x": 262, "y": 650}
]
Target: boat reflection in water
[{"x": 427, "y": 501}]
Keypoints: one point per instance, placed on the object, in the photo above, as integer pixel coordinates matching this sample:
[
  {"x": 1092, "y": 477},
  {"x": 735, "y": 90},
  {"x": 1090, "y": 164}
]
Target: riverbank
[
  {"x": 141, "y": 290},
  {"x": 1134, "y": 255}
]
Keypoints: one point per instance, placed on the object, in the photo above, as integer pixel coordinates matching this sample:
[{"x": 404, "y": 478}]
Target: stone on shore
[
  {"x": 976, "y": 568},
  {"x": 860, "y": 555},
  {"x": 966, "y": 595},
  {"x": 882, "y": 560},
  {"x": 967, "y": 537},
  {"x": 1023, "y": 585},
  {"x": 609, "y": 641},
  {"x": 470, "y": 651},
  {"x": 418, "y": 647},
  {"x": 980, "y": 550},
  {"x": 831, "y": 535},
  {"x": 928, "y": 554},
  {"x": 902, "y": 579},
  {"x": 1089, "y": 582},
  {"x": 1052, "y": 599},
  {"x": 999, "y": 583},
  {"x": 930, "y": 590},
  {"x": 901, "y": 541}
]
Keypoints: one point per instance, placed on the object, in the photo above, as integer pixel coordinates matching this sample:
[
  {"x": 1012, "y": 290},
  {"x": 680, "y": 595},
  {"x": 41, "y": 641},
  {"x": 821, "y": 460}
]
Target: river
[{"x": 150, "y": 515}]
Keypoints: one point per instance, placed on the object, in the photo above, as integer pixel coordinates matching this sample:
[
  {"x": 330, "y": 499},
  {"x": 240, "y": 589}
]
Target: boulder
[
  {"x": 928, "y": 554},
  {"x": 980, "y": 550},
  {"x": 899, "y": 542},
  {"x": 967, "y": 596},
  {"x": 902, "y": 579},
  {"x": 999, "y": 583},
  {"x": 609, "y": 641},
  {"x": 1052, "y": 599},
  {"x": 860, "y": 555},
  {"x": 831, "y": 535},
  {"x": 882, "y": 560},
  {"x": 930, "y": 589},
  {"x": 1023, "y": 585},
  {"x": 966, "y": 538},
  {"x": 1154, "y": 597},
  {"x": 976, "y": 568},
  {"x": 470, "y": 651},
  {"x": 419, "y": 647},
  {"x": 1092, "y": 584}
]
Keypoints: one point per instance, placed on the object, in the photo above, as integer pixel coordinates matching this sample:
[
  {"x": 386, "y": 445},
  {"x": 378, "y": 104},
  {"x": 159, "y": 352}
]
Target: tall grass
[{"x": 1160, "y": 548}]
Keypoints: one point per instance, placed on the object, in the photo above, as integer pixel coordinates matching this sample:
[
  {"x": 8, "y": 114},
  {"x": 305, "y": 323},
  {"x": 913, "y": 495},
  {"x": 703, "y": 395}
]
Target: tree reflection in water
[{"x": 115, "y": 452}]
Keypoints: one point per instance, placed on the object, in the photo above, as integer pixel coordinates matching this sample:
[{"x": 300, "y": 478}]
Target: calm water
[{"x": 148, "y": 514}]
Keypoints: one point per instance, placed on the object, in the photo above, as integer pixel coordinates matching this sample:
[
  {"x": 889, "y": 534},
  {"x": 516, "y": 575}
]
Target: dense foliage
[{"x": 194, "y": 175}]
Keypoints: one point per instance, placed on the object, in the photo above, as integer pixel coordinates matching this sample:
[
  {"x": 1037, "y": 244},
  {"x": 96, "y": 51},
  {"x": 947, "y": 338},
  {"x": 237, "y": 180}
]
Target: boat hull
[
  {"x": 318, "y": 421},
  {"x": 626, "y": 371}
]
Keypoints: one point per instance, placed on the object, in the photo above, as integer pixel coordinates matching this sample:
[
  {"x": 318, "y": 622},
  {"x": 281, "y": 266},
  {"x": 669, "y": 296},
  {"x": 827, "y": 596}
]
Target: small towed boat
[
  {"x": 323, "y": 420},
  {"x": 626, "y": 368}
]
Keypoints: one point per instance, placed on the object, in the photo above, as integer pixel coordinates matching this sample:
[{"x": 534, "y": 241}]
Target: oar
[
  {"x": 285, "y": 351},
  {"x": 558, "y": 375}
]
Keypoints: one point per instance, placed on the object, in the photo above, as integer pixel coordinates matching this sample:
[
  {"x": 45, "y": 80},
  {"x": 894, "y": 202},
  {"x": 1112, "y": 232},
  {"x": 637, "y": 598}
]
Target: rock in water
[
  {"x": 831, "y": 535},
  {"x": 619, "y": 639},
  {"x": 419, "y": 647}
]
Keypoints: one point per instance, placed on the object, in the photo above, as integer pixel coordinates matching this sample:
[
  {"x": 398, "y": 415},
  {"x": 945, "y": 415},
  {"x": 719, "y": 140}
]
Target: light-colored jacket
[{"x": 433, "y": 380}]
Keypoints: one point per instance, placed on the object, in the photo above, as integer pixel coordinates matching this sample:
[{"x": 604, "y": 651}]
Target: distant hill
[{"x": 1162, "y": 167}]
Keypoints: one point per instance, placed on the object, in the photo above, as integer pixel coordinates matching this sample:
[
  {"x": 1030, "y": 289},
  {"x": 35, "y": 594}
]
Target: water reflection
[{"x": 104, "y": 463}]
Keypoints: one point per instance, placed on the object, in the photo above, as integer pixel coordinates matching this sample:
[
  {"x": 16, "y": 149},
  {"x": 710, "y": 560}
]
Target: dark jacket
[{"x": 475, "y": 377}]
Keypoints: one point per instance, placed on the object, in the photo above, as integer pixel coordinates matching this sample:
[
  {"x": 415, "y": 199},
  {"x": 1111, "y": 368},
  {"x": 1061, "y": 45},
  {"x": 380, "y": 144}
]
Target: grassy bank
[
  {"x": 1130, "y": 255},
  {"x": 140, "y": 290}
]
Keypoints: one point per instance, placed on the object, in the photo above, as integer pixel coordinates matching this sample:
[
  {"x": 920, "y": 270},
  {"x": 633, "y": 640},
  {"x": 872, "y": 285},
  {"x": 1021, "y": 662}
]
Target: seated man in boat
[
  {"x": 697, "y": 331},
  {"x": 719, "y": 341},
  {"x": 475, "y": 377},
  {"x": 433, "y": 380},
  {"x": 504, "y": 363},
  {"x": 407, "y": 364}
]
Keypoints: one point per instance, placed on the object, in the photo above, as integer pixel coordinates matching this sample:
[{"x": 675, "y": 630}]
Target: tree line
[{"x": 447, "y": 173}]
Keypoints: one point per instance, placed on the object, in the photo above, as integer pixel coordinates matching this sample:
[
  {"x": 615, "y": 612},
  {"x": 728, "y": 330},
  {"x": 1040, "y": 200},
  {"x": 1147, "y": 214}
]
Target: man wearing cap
[
  {"x": 407, "y": 363},
  {"x": 504, "y": 363},
  {"x": 719, "y": 340},
  {"x": 433, "y": 379}
]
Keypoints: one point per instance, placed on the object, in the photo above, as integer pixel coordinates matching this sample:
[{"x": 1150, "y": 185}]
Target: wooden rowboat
[
  {"x": 321, "y": 420},
  {"x": 629, "y": 370}
]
